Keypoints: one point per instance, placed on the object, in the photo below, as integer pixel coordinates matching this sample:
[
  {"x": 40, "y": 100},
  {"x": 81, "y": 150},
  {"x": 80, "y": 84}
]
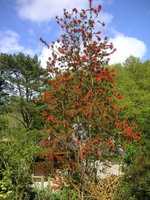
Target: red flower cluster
[{"x": 35, "y": 101}]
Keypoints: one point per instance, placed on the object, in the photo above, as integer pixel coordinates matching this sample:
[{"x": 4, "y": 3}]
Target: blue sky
[{"x": 24, "y": 21}]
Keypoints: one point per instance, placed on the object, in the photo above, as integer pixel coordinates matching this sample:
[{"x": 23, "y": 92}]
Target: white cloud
[
  {"x": 126, "y": 46},
  {"x": 45, "y": 53},
  {"x": 9, "y": 43},
  {"x": 46, "y": 10}
]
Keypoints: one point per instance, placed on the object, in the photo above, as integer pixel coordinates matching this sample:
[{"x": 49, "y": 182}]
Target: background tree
[
  {"x": 132, "y": 80},
  {"x": 23, "y": 80}
]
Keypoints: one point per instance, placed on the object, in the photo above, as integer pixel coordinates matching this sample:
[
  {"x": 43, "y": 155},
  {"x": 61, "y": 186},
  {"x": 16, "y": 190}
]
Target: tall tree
[
  {"x": 23, "y": 76},
  {"x": 81, "y": 114}
]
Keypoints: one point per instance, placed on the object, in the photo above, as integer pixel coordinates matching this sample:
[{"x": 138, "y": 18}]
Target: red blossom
[
  {"x": 111, "y": 46},
  {"x": 94, "y": 59},
  {"x": 99, "y": 7},
  {"x": 74, "y": 10},
  {"x": 95, "y": 11},
  {"x": 99, "y": 32},
  {"x": 90, "y": 3},
  {"x": 120, "y": 97},
  {"x": 35, "y": 101},
  {"x": 89, "y": 35}
]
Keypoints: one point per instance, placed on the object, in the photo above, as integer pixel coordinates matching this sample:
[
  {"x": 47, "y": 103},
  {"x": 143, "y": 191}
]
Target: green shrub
[
  {"x": 48, "y": 194},
  {"x": 136, "y": 181},
  {"x": 17, "y": 153}
]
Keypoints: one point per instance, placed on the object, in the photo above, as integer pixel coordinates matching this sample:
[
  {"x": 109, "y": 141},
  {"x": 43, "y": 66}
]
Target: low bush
[{"x": 135, "y": 184}]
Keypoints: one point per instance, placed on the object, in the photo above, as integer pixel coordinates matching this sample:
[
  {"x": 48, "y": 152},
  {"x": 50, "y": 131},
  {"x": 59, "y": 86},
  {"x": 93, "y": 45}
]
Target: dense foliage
[
  {"x": 20, "y": 122},
  {"x": 136, "y": 181},
  {"x": 132, "y": 80},
  {"x": 17, "y": 152}
]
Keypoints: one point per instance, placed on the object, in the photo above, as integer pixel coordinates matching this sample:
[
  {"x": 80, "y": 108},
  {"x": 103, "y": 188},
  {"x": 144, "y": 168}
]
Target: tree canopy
[{"x": 22, "y": 82}]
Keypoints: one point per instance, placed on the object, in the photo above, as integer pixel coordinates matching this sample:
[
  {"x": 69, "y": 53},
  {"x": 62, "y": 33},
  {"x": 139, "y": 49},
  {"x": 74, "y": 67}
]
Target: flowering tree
[{"x": 82, "y": 118}]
